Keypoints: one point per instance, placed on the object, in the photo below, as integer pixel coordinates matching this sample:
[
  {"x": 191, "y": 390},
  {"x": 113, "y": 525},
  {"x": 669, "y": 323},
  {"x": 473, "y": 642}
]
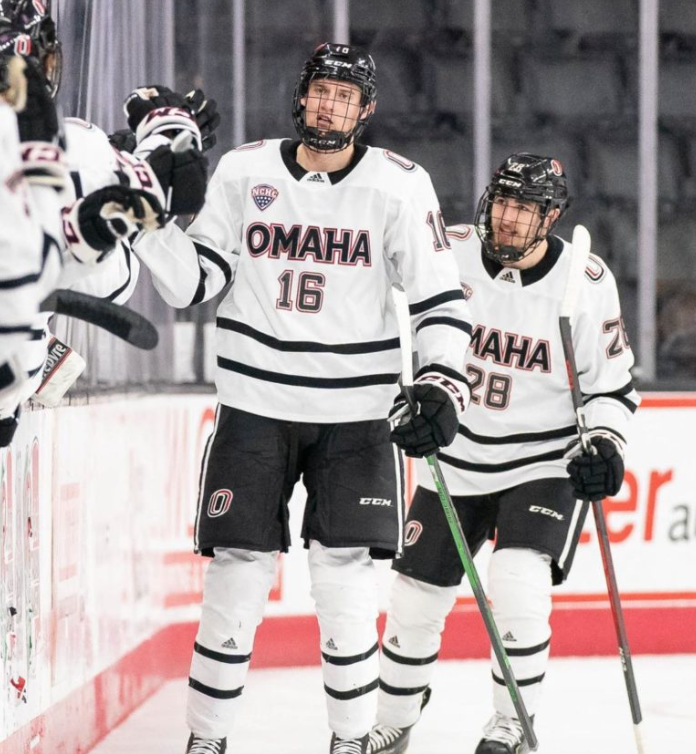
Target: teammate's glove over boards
[
  {"x": 94, "y": 225},
  {"x": 596, "y": 476},
  {"x": 38, "y": 121},
  {"x": 147, "y": 98},
  {"x": 183, "y": 177},
  {"x": 206, "y": 115},
  {"x": 441, "y": 395}
]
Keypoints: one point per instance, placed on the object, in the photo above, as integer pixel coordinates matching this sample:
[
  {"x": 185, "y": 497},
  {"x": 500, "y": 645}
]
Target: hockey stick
[
  {"x": 120, "y": 321},
  {"x": 455, "y": 525},
  {"x": 580, "y": 251}
]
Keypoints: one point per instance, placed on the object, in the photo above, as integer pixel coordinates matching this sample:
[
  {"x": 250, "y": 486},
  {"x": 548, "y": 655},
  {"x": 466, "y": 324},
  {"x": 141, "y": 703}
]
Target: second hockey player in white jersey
[
  {"x": 312, "y": 235},
  {"x": 508, "y": 468}
]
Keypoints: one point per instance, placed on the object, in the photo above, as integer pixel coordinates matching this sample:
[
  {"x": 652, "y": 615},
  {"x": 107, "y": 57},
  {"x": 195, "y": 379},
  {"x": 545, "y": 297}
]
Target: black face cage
[
  {"x": 332, "y": 141},
  {"x": 41, "y": 34},
  {"x": 484, "y": 227}
]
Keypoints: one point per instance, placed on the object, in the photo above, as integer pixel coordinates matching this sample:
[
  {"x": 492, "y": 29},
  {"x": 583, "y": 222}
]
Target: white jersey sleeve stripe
[
  {"x": 447, "y": 321},
  {"x": 434, "y": 301}
]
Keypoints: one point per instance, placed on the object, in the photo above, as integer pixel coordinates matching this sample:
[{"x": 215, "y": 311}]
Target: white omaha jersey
[
  {"x": 521, "y": 417},
  {"x": 307, "y": 331}
]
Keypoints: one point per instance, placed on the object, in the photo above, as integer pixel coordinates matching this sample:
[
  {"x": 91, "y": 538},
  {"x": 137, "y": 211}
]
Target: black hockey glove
[
  {"x": 39, "y": 119},
  {"x": 104, "y": 217},
  {"x": 440, "y": 400},
  {"x": 147, "y": 98},
  {"x": 596, "y": 476},
  {"x": 123, "y": 140},
  {"x": 206, "y": 115},
  {"x": 8, "y": 427},
  {"x": 183, "y": 177}
]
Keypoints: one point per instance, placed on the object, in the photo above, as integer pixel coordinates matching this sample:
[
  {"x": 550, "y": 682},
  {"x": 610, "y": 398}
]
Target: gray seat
[
  {"x": 592, "y": 18},
  {"x": 453, "y": 86},
  {"x": 281, "y": 18},
  {"x": 677, "y": 17},
  {"x": 507, "y": 16},
  {"x": 573, "y": 89},
  {"x": 370, "y": 17},
  {"x": 676, "y": 259},
  {"x": 613, "y": 168},
  {"x": 677, "y": 90}
]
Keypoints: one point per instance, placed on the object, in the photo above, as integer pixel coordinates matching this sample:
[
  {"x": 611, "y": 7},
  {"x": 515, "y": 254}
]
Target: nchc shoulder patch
[
  {"x": 595, "y": 269},
  {"x": 402, "y": 162}
]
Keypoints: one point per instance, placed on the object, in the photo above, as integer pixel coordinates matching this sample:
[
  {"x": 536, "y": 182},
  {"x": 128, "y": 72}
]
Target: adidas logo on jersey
[
  {"x": 230, "y": 644},
  {"x": 394, "y": 641},
  {"x": 509, "y": 637},
  {"x": 508, "y": 277},
  {"x": 331, "y": 644},
  {"x": 316, "y": 178}
]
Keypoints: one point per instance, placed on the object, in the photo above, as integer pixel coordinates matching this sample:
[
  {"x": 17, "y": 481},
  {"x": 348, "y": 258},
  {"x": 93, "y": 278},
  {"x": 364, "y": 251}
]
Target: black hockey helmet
[
  {"x": 527, "y": 178},
  {"x": 27, "y": 29},
  {"x": 345, "y": 63}
]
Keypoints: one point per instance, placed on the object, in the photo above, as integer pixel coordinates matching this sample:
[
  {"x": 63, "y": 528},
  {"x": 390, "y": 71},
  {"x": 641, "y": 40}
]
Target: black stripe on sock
[
  {"x": 349, "y": 660},
  {"x": 520, "y": 682},
  {"x": 353, "y": 693},
  {"x": 407, "y": 660},
  {"x": 215, "y": 693},
  {"x": 526, "y": 651},
  {"x": 400, "y": 691},
  {"x": 220, "y": 656}
]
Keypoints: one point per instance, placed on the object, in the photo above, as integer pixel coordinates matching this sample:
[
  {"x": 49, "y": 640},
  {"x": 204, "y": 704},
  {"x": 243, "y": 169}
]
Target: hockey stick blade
[{"x": 120, "y": 321}]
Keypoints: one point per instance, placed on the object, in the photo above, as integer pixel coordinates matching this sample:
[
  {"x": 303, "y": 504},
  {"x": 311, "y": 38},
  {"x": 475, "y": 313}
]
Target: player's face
[
  {"x": 332, "y": 105},
  {"x": 514, "y": 222}
]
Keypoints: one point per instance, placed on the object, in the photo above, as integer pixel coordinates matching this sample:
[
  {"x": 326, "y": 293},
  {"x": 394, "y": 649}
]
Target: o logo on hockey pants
[
  {"x": 219, "y": 503},
  {"x": 413, "y": 530}
]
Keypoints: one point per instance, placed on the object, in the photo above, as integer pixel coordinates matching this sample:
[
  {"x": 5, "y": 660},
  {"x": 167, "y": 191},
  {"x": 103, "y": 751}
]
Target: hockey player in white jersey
[
  {"x": 311, "y": 235},
  {"x": 508, "y": 469},
  {"x": 72, "y": 190}
]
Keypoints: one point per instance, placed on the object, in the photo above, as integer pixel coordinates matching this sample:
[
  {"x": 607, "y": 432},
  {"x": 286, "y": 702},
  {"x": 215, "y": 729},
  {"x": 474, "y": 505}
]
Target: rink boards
[{"x": 99, "y": 587}]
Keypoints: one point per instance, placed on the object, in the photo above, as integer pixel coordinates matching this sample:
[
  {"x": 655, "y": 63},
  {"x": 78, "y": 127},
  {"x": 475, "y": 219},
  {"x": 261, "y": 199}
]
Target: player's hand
[
  {"x": 206, "y": 115},
  {"x": 440, "y": 400},
  {"x": 183, "y": 177},
  {"x": 596, "y": 476},
  {"x": 123, "y": 140},
  {"x": 143, "y": 100},
  {"x": 13, "y": 82},
  {"x": 94, "y": 225},
  {"x": 39, "y": 119}
]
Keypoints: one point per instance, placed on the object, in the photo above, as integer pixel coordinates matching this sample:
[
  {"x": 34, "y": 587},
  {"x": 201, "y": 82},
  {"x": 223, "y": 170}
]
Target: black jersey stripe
[
  {"x": 301, "y": 346},
  {"x": 492, "y": 468},
  {"x": 549, "y": 434},
  {"x": 522, "y": 681},
  {"x": 447, "y": 321},
  {"x": 214, "y": 693},
  {"x": 13, "y": 329},
  {"x": 401, "y": 690},
  {"x": 77, "y": 183},
  {"x": 433, "y": 301},
  {"x": 11, "y": 283},
  {"x": 127, "y": 253},
  {"x": 401, "y": 660},
  {"x": 215, "y": 258},
  {"x": 298, "y": 380},
  {"x": 353, "y": 693},
  {"x": 630, "y": 405},
  {"x": 199, "y": 295},
  {"x": 352, "y": 659},
  {"x": 220, "y": 656},
  {"x": 527, "y": 651}
]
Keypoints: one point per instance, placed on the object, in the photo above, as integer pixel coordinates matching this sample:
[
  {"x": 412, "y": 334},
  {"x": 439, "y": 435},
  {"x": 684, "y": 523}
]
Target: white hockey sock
[
  {"x": 410, "y": 644},
  {"x": 235, "y": 592},
  {"x": 345, "y": 590},
  {"x": 519, "y": 586}
]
